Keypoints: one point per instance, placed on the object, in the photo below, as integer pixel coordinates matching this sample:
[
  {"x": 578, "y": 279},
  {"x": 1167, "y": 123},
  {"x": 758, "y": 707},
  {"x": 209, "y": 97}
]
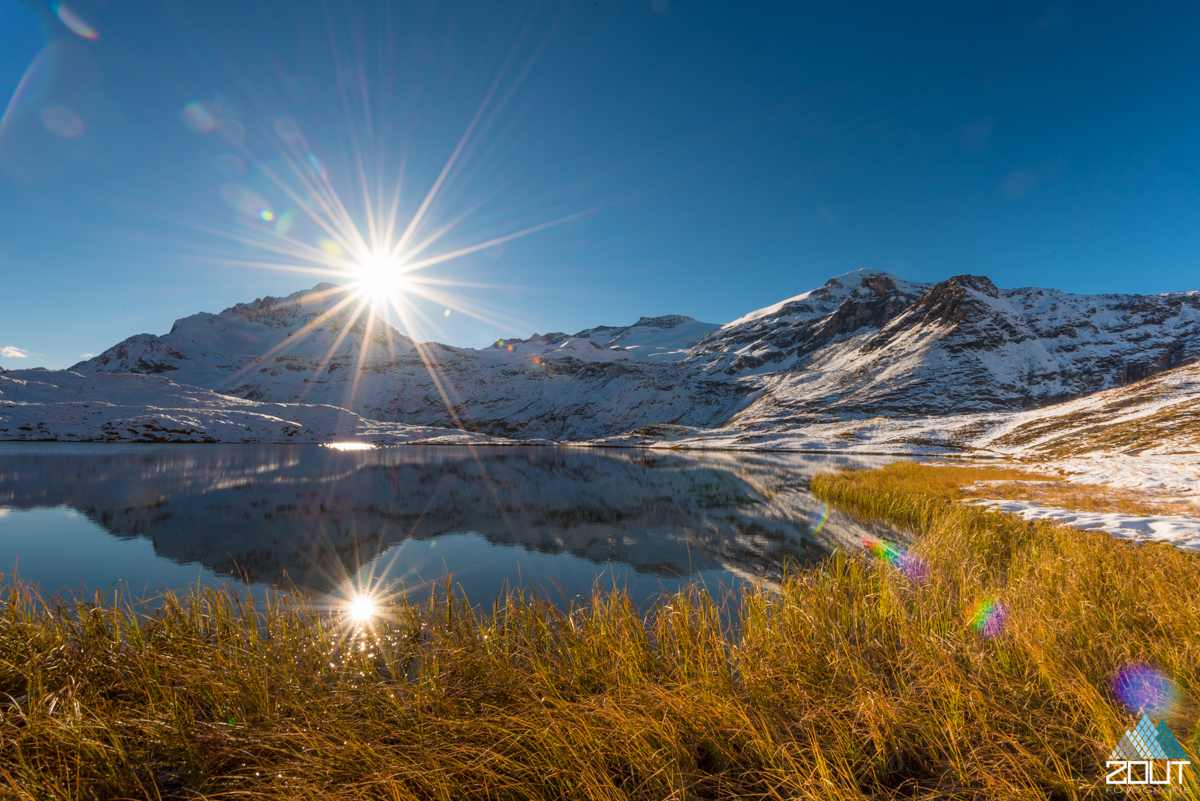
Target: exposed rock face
[{"x": 864, "y": 343}]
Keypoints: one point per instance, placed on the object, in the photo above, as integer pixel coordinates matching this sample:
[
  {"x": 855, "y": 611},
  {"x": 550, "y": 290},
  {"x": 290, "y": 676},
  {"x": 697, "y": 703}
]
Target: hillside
[
  {"x": 1157, "y": 416},
  {"x": 864, "y": 345},
  {"x": 64, "y": 406}
]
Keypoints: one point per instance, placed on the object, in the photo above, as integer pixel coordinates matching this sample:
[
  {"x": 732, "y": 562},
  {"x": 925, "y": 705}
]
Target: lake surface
[{"x": 323, "y": 521}]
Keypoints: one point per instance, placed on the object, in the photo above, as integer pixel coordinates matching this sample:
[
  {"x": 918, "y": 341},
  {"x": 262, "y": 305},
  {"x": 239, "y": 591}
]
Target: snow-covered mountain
[
  {"x": 864, "y": 343},
  {"x": 868, "y": 342},
  {"x": 313, "y": 347}
]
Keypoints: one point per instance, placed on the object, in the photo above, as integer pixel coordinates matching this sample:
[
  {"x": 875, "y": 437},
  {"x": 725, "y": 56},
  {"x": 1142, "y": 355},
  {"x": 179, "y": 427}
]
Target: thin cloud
[
  {"x": 86, "y": 355},
  {"x": 9, "y": 352}
]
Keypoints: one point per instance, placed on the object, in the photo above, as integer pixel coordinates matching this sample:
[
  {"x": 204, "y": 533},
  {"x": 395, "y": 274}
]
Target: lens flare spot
[
  {"x": 283, "y": 223},
  {"x": 61, "y": 121},
  {"x": 1143, "y": 688},
  {"x": 198, "y": 117},
  {"x": 75, "y": 22},
  {"x": 914, "y": 567},
  {"x": 447, "y": 313},
  {"x": 331, "y": 247},
  {"x": 824, "y": 519},
  {"x": 907, "y": 563},
  {"x": 318, "y": 166},
  {"x": 990, "y": 617},
  {"x": 246, "y": 202}
]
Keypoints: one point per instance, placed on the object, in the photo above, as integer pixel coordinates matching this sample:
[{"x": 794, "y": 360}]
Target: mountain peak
[
  {"x": 665, "y": 321},
  {"x": 829, "y": 296}
]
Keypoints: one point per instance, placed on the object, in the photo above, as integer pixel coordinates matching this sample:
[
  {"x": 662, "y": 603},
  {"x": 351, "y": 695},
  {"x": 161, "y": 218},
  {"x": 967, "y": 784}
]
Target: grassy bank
[{"x": 865, "y": 677}]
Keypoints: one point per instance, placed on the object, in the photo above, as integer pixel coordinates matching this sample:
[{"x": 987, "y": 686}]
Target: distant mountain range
[{"x": 864, "y": 344}]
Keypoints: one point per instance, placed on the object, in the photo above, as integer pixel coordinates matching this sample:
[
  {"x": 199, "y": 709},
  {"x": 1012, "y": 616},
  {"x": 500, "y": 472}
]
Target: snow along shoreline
[{"x": 1182, "y": 532}]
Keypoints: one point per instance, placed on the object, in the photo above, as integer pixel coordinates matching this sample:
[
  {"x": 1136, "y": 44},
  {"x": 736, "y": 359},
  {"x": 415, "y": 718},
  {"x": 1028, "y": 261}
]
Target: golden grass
[{"x": 856, "y": 680}]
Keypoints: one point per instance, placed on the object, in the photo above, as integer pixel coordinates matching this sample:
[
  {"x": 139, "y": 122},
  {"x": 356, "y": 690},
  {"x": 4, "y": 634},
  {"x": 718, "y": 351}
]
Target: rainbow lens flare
[
  {"x": 318, "y": 166},
  {"x": 824, "y": 519},
  {"x": 198, "y": 117},
  {"x": 907, "y": 563},
  {"x": 913, "y": 566},
  {"x": 1142, "y": 688},
  {"x": 246, "y": 202},
  {"x": 75, "y": 22},
  {"x": 884, "y": 551},
  {"x": 331, "y": 247},
  {"x": 990, "y": 617},
  {"x": 61, "y": 121}
]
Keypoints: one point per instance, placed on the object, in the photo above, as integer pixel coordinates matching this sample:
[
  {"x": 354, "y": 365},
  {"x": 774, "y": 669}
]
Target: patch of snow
[
  {"x": 1177, "y": 474},
  {"x": 1182, "y": 532}
]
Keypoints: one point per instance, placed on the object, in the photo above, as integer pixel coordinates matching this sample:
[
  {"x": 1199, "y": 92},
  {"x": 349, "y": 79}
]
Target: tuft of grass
[{"x": 859, "y": 678}]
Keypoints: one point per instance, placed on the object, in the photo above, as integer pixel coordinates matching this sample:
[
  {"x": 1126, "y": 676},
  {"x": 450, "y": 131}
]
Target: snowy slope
[
  {"x": 66, "y": 406},
  {"x": 666, "y": 338},
  {"x": 1158, "y": 417},
  {"x": 865, "y": 344},
  {"x": 311, "y": 347}
]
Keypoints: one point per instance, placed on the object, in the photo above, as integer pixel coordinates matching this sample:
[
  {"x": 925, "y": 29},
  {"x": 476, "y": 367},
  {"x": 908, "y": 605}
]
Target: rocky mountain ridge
[{"x": 864, "y": 343}]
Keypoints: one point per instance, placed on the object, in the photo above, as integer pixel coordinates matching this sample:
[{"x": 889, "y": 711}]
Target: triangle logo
[
  {"x": 1126, "y": 749},
  {"x": 1170, "y": 745}
]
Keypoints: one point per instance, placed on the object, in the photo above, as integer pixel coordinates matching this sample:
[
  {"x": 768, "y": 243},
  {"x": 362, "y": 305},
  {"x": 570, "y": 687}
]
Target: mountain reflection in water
[{"x": 313, "y": 517}]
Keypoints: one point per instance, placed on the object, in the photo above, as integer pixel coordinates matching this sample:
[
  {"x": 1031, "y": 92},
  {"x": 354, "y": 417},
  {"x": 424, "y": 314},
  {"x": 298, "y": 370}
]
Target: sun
[
  {"x": 378, "y": 277},
  {"x": 362, "y": 609}
]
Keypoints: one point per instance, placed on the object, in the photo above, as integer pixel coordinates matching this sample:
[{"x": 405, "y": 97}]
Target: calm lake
[{"x": 323, "y": 521}]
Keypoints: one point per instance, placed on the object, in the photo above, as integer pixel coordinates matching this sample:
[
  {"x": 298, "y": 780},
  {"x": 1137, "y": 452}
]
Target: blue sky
[{"x": 711, "y": 157}]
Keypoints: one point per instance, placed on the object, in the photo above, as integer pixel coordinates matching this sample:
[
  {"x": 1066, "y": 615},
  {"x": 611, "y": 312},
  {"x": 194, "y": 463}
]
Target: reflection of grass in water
[{"x": 854, "y": 680}]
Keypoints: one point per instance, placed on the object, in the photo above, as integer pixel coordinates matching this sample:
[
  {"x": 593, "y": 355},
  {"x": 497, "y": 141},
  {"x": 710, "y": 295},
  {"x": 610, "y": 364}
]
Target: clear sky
[{"x": 710, "y": 157}]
